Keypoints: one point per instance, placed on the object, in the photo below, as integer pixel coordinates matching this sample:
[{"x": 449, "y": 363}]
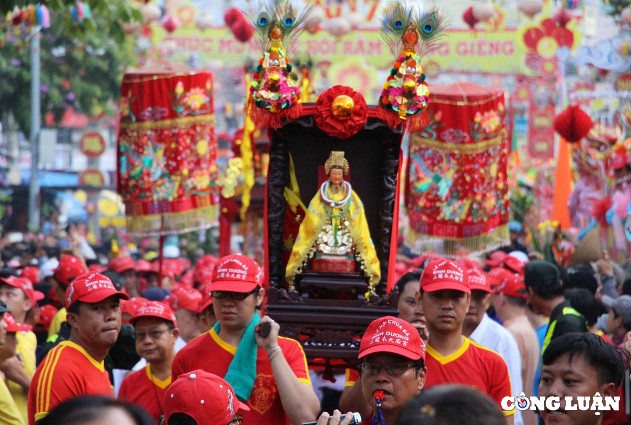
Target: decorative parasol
[
  {"x": 456, "y": 188},
  {"x": 167, "y": 151}
]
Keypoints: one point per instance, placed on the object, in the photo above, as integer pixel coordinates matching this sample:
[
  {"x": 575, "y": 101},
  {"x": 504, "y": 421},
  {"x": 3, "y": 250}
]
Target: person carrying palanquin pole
[{"x": 335, "y": 226}]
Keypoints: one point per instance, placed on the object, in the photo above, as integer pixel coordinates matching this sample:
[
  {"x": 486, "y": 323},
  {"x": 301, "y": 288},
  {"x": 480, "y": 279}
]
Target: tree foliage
[
  {"x": 84, "y": 72},
  {"x": 110, "y": 15}
]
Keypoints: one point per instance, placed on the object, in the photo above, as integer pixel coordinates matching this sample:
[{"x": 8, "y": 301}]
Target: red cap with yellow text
[
  {"x": 25, "y": 285},
  {"x": 154, "y": 309},
  {"x": 205, "y": 397},
  {"x": 445, "y": 274},
  {"x": 392, "y": 335},
  {"x": 91, "y": 288},
  {"x": 236, "y": 273}
]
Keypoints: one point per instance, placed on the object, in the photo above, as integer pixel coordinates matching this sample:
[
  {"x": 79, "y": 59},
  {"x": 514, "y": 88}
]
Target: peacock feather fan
[
  {"x": 411, "y": 29},
  {"x": 277, "y": 23}
]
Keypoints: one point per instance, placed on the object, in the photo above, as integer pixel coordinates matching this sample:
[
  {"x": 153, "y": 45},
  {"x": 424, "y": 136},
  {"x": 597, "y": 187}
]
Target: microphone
[{"x": 357, "y": 420}]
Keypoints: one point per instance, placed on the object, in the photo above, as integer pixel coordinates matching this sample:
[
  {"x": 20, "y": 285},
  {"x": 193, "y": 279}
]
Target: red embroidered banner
[
  {"x": 456, "y": 186},
  {"x": 166, "y": 152}
]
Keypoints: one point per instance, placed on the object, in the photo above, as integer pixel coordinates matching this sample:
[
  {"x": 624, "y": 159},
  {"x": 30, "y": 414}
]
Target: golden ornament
[{"x": 342, "y": 107}]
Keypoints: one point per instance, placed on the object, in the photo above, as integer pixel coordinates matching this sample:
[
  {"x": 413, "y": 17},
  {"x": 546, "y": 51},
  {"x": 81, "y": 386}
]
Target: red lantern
[
  {"x": 572, "y": 124},
  {"x": 171, "y": 23},
  {"x": 562, "y": 17},
  {"x": 242, "y": 30},
  {"x": 469, "y": 17},
  {"x": 232, "y": 16}
]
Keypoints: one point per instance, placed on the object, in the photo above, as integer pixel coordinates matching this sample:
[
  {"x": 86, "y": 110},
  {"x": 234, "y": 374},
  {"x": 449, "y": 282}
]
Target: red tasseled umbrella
[{"x": 572, "y": 124}]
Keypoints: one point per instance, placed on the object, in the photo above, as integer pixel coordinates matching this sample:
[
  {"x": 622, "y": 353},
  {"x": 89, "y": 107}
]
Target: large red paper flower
[
  {"x": 343, "y": 127},
  {"x": 547, "y": 38}
]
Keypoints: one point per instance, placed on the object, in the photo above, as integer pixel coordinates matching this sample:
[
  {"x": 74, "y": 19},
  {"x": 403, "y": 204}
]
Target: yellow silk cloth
[{"x": 311, "y": 226}]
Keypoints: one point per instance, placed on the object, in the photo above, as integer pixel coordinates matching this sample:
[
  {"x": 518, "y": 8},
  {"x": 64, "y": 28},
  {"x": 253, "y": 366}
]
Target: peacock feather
[
  {"x": 276, "y": 23},
  {"x": 409, "y": 28}
]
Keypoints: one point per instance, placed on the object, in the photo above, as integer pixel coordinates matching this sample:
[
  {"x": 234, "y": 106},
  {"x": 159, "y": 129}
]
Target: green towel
[{"x": 242, "y": 370}]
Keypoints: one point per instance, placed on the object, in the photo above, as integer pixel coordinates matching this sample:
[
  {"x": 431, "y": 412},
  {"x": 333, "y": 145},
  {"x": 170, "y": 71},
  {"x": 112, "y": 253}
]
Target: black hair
[
  {"x": 74, "y": 307},
  {"x": 117, "y": 279},
  {"x": 179, "y": 418},
  {"x": 79, "y": 410},
  {"x": 417, "y": 364},
  {"x": 52, "y": 251},
  {"x": 600, "y": 355},
  {"x": 581, "y": 276},
  {"x": 626, "y": 286},
  {"x": 583, "y": 301},
  {"x": 451, "y": 405},
  {"x": 414, "y": 276},
  {"x": 516, "y": 301}
]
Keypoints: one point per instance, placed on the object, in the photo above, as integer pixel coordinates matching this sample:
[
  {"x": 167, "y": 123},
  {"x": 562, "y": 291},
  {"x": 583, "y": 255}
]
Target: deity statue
[{"x": 334, "y": 234}]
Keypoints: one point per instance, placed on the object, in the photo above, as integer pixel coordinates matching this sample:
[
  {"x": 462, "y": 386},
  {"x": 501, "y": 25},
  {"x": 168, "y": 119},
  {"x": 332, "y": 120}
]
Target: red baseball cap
[
  {"x": 46, "y": 314},
  {"x": 510, "y": 284},
  {"x": 390, "y": 334},
  {"x": 25, "y": 285},
  {"x": 184, "y": 297},
  {"x": 496, "y": 258},
  {"x": 154, "y": 309},
  {"x": 205, "y": 397},
  {"x": 207, "y": 298},
  {"x": 445, "y": 274},
  {"x": 121, "y": 264},
  {"x": 130, "y": 307},
  {"x": 96, "y": 268},
  {"x": 206, "y": 262},
  {"x": 13, "y": 326},
  {"x": 188, "y": 278},
  {"x": 478, "y": 281},
  {"x": 31, "y": 273},
  {"x": 236, "y": 273},
  {"x": 143, "y": 266},
  {"x": 69, "y": 268},
  {"x": 91, "y": 288}
]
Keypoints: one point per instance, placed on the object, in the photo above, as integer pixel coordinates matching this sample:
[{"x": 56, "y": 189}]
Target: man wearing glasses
[
  {"x": 451, "y": 357},
  {"x": 75, "y": 367},
  {"x": 267, "y": 372},
  {"x": 392, "y": 367},
  {"x": 156, "y": 332}
]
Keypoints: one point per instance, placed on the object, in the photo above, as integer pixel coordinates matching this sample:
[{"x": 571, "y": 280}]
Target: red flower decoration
[
  {"x": 342, "y": 129},
  {"x": 563, "y": 36}
]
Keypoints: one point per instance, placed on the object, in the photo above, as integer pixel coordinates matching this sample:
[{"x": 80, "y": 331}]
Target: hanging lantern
[
  {"x": 242, "y": 30},
  {"x": 530, "y": 7},
  {"x": 204, "y": 21},
  {"x": 572, "y": 124},
  {"x": 483, "y": 11},
  {"x": 232, "y": 15},
  {"x": 469, "y": 18},
  {"x": 171, "y": 23},
  {"x": 150, "y": 12},
  {"x": 339, "y": 27}
]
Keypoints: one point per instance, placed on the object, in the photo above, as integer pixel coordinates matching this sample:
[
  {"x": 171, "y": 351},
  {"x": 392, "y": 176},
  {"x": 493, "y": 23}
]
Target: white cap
[{"x": 48, "y": 268}]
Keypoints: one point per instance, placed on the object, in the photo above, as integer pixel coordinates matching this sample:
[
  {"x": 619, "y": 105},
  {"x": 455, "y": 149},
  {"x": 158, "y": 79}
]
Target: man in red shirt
[
  {"x": 266, "y": 371},
  {"x": 75, "y": 367},
  {"x": 156, "y": 333},
  {"x": 452, "y": 357}
]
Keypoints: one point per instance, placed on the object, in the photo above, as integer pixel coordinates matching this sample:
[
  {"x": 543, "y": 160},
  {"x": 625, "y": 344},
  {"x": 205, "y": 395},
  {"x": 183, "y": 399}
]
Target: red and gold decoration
[
  {"x": 275, "y": 89},
  {"x": 341, "y": 112},
  {"x": 456, "y": 189},
  {"x": 409, "y": 33},
  {"x": 167, "y": 151}
]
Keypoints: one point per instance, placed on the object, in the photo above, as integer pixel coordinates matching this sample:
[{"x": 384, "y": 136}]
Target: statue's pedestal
[{"x": 329, "y": 315}]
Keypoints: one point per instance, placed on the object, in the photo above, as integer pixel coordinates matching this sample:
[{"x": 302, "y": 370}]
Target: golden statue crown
[{"x": 336, "y": 160}]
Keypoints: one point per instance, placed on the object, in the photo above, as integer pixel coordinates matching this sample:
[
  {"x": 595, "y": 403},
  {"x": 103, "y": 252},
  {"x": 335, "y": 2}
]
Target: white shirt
[{"x": 494, "y": 336}]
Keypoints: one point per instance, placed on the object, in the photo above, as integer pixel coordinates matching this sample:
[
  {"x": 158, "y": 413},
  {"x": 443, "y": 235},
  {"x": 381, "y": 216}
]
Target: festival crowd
[{"x": 131, "y": 337}]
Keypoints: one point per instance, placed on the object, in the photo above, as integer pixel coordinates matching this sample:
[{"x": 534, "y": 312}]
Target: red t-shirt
[
  {"x": 144, "y": 389},
  {"x": 472, "y": 365},
  {"x": 66, "y": 372},
  {"x": 210, "y": 353}
]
